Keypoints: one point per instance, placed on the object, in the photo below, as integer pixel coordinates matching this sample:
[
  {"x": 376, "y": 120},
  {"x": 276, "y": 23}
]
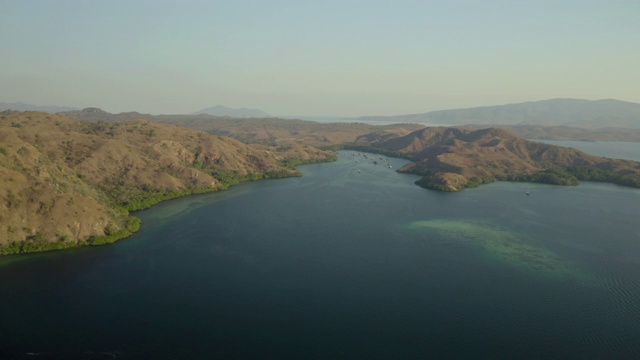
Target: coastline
[{"x": 36, "y": 244}]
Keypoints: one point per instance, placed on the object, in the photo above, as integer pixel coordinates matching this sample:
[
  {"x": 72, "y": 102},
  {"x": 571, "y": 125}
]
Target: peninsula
[{"x": 451, "y": 158}]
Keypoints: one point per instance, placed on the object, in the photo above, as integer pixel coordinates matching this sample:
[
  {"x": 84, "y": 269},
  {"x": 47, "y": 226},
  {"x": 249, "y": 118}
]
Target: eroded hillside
[{"x": 66, "y": 182}]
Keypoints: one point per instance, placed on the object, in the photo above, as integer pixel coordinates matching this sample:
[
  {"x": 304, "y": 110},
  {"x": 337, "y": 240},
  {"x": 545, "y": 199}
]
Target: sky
[{"x": 316, "y": 58}]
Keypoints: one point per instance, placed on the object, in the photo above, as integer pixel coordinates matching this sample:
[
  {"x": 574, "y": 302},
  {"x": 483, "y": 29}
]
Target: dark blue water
[{"x": 350, "y": 261}]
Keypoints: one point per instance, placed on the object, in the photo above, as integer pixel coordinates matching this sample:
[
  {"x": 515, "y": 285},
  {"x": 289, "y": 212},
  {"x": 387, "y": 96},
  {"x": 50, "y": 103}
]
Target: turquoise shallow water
[{"x": 350, "y": 261}]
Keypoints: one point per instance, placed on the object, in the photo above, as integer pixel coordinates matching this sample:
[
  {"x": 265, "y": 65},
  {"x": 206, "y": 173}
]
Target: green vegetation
[
  {"x": 38, "y": 242},
  {"x": 432, "y": 182},
  {"x": 573, "y": 174},
  {"x": 33, "y": 245},
  {"x": 282, "y": 174},
  {"x": 100, "y": 128},
  {"x": 197, "y": 164},
  {"x": 591, "y": 173},
  {"x": 293, "y": 162},
  {"x": 479, "y": 180},
  {"x": 3, "y": 151},
  {"x": 108, "y": 239},
  {"x": 12, "y": 248},
  {"x": 148, "y": 199},
  {"x": 150, "y": 195},
  {"x": 229, "y": 178},
  {"x": 132, "y": 226},
  {"x": 569, "y": 176},
  {"x": 38, "y": 246},
  {"x": 553, "y": 176}
]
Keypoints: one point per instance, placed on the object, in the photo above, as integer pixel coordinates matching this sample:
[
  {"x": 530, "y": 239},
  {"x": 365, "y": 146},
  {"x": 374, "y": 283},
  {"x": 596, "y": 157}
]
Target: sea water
[{"x": 352, "y": 260}]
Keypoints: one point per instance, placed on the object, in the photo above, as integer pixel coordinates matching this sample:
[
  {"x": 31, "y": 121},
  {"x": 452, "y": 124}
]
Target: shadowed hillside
[
  {"x": 66, "y": 182},
  {"x": 451, "y": 159}
]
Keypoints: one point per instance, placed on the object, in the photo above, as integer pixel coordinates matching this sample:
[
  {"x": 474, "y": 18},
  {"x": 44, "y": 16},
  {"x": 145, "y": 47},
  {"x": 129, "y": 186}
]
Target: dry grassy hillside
[
  {"x": 454, "y": 158},
  {"x": 282, "y": 132},
  {"x": 269, "y": 131},
  {"x": 65, "y": 182}
]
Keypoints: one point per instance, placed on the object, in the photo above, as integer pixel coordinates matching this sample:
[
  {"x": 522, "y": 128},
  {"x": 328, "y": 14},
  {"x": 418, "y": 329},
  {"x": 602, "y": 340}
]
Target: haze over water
[{"x": 350, "y": 261}]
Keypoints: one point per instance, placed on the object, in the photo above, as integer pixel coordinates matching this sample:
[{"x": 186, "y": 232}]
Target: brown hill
[
  {"x": 269, "y": 131},
  {"x": 65, "y": 182},
  {"x": 454, "y": 158},
  {"x": 97, "y": 114}
]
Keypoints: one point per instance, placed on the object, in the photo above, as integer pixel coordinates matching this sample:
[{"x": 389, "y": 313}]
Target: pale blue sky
[{"x": 328, "y": 58}]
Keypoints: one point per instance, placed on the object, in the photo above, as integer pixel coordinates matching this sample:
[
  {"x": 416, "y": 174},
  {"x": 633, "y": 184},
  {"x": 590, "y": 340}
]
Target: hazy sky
[{"x": 329, "y": 58}]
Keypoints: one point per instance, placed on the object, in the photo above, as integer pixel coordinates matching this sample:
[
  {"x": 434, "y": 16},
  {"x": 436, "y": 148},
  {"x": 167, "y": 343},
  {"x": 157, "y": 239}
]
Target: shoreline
[{"x": 34, "y": 245}]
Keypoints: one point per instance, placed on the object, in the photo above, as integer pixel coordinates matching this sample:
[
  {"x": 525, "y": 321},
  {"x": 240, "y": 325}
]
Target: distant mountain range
[
  {"x": 554, "y": 112},
  {"x": 218, "y": 110},
  {"x": 245, "y": 129},
  {"x": 20, "y": 106},
  {"x": 237, "y": 113},
  {"x": 592, "y": 114}
]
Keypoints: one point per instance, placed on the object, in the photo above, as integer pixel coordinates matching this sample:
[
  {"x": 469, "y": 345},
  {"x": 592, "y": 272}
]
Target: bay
[{"x": 352, "y": 260}]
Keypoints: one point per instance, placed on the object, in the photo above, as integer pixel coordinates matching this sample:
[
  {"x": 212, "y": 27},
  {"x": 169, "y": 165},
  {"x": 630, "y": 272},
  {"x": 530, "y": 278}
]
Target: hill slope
[
  {"x": 573, "y": 112},
  {"x": 97, "y": 114},
  {"x": 271, "y": 131},
  {"x": 65, "y": 182},
  {"x": 454, "y": 158}
]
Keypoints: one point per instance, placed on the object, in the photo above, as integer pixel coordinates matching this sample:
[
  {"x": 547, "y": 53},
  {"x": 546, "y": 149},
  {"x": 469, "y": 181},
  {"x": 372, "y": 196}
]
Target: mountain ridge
[
  {"x": 20, "y": 106},
  {"x": 552, "y": 112}
]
